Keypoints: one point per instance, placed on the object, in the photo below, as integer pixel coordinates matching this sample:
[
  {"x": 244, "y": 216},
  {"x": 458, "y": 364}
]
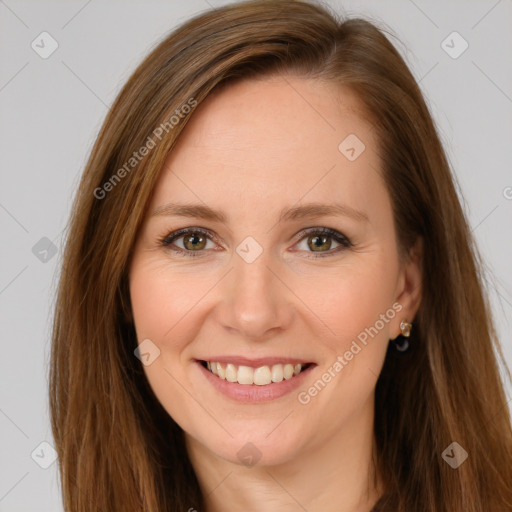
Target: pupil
[
  {"x": 194, "y": 241},
  {"x": 319, "y": 241}
]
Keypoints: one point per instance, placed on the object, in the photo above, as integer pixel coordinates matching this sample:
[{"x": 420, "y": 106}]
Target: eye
[
  {"x": 319, "y": 241},
  {"x": 193, "y": 241}
]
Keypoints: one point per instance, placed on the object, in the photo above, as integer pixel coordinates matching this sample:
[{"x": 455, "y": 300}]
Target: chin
[{"x": 262, "y": 445}]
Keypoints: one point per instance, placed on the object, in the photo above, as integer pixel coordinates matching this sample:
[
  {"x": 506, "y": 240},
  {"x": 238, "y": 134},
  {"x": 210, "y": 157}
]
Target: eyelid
[
  {"x": 170, "y": 237},
  {"x": 167, "y": 241},
  {"x": 323, "y": 230},
  {"x": 339, "y": 238}
]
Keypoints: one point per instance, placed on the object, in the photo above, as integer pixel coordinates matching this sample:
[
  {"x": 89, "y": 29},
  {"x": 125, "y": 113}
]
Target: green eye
[
  {"x": 194, "y": 241},
  {"x": 318, "y": 240}
]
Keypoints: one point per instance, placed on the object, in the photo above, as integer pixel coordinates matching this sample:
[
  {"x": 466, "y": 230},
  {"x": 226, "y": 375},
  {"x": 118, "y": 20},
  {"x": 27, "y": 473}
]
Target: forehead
[{"x": 276, "y": 139}]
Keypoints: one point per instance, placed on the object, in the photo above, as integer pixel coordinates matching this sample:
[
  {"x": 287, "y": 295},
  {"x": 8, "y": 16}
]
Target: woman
[{"x": 205, "y": 356}]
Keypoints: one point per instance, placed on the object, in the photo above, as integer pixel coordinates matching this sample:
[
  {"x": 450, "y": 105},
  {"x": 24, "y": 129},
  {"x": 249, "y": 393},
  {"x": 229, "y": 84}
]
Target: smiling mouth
[{"x": 261, "y": 376}]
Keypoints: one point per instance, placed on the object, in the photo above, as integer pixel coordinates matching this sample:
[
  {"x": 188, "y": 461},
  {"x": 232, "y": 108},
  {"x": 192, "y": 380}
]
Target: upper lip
[{"x": 256, "y": 362}]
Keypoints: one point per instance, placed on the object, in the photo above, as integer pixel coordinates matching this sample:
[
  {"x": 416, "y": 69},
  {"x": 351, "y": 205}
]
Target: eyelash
[{"x": 344, "y": 242}]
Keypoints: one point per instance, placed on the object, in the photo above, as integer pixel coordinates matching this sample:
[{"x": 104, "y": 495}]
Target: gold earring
[
  {"x": 405, "y": 328},
  {"x": 401, "y": 343}
]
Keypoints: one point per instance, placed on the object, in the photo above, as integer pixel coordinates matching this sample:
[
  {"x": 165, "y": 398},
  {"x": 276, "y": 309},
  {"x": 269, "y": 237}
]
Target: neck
[{"x": 336, "y": 473}]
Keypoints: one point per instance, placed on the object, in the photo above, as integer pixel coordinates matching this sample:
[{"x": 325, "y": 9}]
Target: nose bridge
[{"x": 255, "y": 301}]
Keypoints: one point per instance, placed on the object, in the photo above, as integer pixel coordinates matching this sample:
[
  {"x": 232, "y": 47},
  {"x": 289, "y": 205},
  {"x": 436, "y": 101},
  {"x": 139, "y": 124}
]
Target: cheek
[
  {"x": 355, "y": 307},
  {"x": 163, "y": 310},
  {"x": 170, "y": 304},
  {"x": 154, "y": 308},
  {"x": 350, "y": 300},
  {"x": 162, "y": 299}
]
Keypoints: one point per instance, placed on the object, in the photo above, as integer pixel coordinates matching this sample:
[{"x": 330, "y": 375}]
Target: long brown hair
[{"x": 118, "y": 448}]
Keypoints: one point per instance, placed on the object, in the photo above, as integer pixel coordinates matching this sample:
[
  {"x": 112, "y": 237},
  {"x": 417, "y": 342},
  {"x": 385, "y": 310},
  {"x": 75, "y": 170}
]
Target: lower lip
[{"x": 254, "y": 393}]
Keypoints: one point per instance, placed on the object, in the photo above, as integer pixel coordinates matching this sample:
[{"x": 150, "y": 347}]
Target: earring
[
  {"x": 405, "y": 328},
  {"x": 401, "y": 342}
]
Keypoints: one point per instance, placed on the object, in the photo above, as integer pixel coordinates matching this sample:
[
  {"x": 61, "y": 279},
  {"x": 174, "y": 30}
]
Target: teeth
[
  {"x": 259, "y": 376},
  {"x": 245, "y": 375},
  {"x": 277, "y": 373},
  {"x": 288, "y": 371},
  {"x": 231, "y": 373},
  {"x": 262, "y": 376},
  {"x": 221, "y": 372}
]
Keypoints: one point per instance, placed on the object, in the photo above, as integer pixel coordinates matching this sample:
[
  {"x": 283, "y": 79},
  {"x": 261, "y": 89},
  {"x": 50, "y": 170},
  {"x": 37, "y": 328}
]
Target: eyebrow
[{"x": 311, "y": 210}]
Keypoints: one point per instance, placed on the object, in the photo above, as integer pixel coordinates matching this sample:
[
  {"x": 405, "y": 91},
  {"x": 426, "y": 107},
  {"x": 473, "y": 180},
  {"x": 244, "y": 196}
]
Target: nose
[{"x": 256, "y": 302}]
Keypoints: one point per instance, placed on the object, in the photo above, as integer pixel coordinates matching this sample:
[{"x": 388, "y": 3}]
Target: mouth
[
  {"x": 261, "y": 375},
  {"x": 253, "y": 381}
]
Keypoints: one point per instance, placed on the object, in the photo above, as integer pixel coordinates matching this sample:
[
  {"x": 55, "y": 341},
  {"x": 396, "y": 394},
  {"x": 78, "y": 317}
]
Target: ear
[{"x": 409, "y": 288}]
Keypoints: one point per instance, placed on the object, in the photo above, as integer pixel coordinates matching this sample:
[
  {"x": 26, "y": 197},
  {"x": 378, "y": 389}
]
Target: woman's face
[{"x": 252, "y": 281}]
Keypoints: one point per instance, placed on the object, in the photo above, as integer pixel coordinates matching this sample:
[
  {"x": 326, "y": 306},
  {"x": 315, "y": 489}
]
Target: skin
[{"x": 250, "y": 150}]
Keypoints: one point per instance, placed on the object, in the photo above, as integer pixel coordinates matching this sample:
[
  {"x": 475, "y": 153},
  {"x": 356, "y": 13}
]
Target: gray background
[{"x": 51, "y": 110}]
